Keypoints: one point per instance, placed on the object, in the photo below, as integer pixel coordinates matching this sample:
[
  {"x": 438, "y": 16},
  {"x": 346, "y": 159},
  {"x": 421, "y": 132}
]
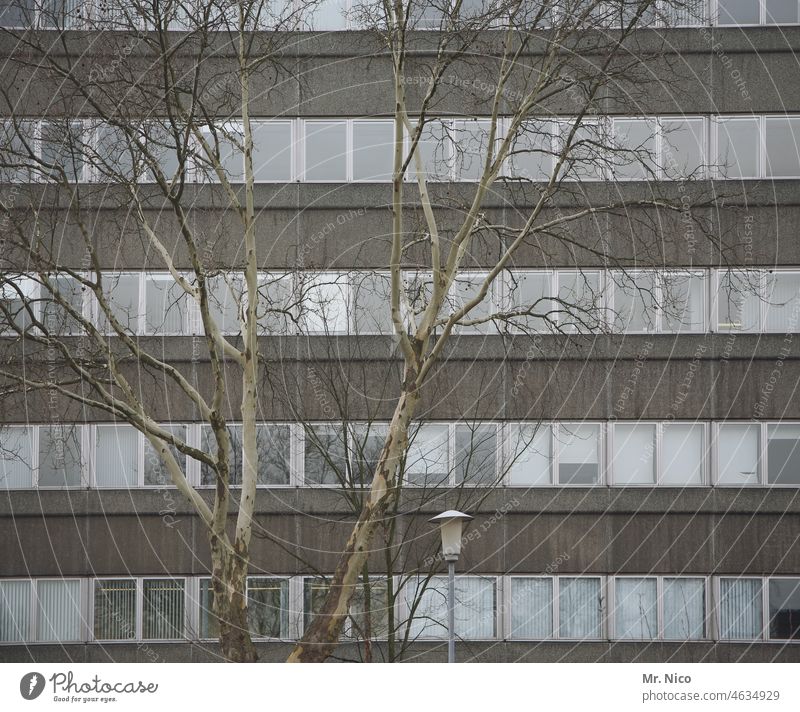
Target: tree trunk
[
  {"x": 229, "y": 579},
  {"x": 322, "y": 636}
]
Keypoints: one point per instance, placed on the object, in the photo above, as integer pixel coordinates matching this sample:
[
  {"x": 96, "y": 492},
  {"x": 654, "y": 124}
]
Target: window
[
  {"x": 583, "y": 151},
  {"x": 325, "y": 454},
  {"x": 427, "y": 460},
  {"x": 40, "y": 610},
  {"x": 683, "y": 149},
  {"x": 782, "y": 302},
  {"x": 578, "y": 447},
  {"x": 466, "y": 287},
  {"x": 209, "y": 624},
  {"x": 373, "y": 150},
  {"x": 275, "y": 309},
  {"x": 782, "y": 143},
  {"x": 738, "y": 300},
  {"x": 580, "y": 608},
  {"x": 682, "y": 301},
  {"x": 738, "y": 454},
  {"x": 475, "y": 454},
  {"x": 62, "y": 146},
  {"x": 121, "y": 293},
  {"x": 372, "y": 295},
  {"x": 273, "y": 445},
  {"x": 209, "y": 444},
  {"x": 783, "y": 454},
  {"x": 226, "y": 299},
  {"x": 636, "y": 608},
  {"x": 325, "y": 151},
  {"x": 528, "y": 300},
  {"x": 268, "y": 607},
  {"x": 530, "y": 454},
  {"x": 475, "y": 607},
  {"x": 738, "y": 12},
  {"x": 156, "y": 473},
  {"x": 532, "y": 608},
  {"x": 273, "y": 146},
  {"x": 781, "y": 12},
  {"x": 327, "y": 15},
  {"x": 224, "y": 146},
  {"x": 635, "y": 156},
  {"x": 115, "y": 609},
  {"x": 683, "y": 454},
  {"x": 16, "y": 456},
  {"x": 471, "y": 146},
  {"x": 60, "y": 463},
  {"x": 324, "y": 304},
  {"x": 434, "y": 149},
  {"x": 740, "y": 608},
  {"x": 167, "y": 307},
  {"x": 634, "y": 454},
  {"x": 17, "y": 303},
  {"x": 117, "y": 456},
  {"x": 784, "y": 609},
  {"x": 635, "y": 301},
  {"x": 532, "y": 152},
  {"x": 684, "y": 606},
  {"x": 369, "y": 610},
  {"x": 314, "y": 592},
  {"x": 738, "y": 147},
  {"x": 17, "y": 13},
  {"x": 659, "y": 301},
  {"x": 366, "y": 445},
  {"x": 580, "y": 305},
  {"x": 162, "y": 609},
  {"x": 62, "y": 305}
]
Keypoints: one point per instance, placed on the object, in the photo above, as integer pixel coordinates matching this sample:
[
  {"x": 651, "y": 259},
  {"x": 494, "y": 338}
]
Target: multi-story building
[{"x": 635, "y": 484}]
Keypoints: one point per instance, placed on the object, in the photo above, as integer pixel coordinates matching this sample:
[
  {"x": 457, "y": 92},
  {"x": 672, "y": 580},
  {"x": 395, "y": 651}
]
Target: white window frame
[
  {"x": 139, "y": 583},
  {"x": 604, "y": 606},
  {"x": 33, "y": 637},
  {"x": 659, "y": 578},
  {"x": 717, "y": 611},
  {"x": 717, "y": 170},
  {"x": 762, "y": 455},
  {"x": 602, "y": 459}
]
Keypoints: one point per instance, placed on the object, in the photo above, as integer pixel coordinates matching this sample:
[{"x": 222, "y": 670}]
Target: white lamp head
[{"x": 451, "y": 525}]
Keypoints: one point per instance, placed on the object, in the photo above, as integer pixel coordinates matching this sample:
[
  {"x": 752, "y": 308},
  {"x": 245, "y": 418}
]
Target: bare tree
[{"x": 525, "y": 61}]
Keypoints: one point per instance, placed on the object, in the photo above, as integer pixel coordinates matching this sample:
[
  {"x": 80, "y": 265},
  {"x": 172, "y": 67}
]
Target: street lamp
[{"x": 451, "y": 525}]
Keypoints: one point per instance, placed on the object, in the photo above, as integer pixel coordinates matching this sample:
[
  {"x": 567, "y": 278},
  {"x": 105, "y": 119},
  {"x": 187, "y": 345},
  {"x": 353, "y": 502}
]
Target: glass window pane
[
  {"x": 683, "y": 148},
  {"x": 738, "y": 301},
  {"x": 117, "y": 159},
  {"x": 580, "y": 608},
  {"x": 783, "y": 454},
  {"x": 531, "y": 455},
  {"x": 273, "y": 442},
  {"x": 167, "y": 310},
  {"x": 114, "y": 609},
  {"x": 784, "y": 609},
  {"x": 163, "y": 609},
  {"x": 738, "y": 454},
  {"x": 474, "y": 608},
  {"x": 17, "y": 13},
  {"x": 683, "y": 454},
  {"x": 635, "y": 149},
  {"x": 578, "y": 461},
  {"x": 59, "y": 610},
  {"x": 682, "y": 302},
  {"x": 741, "y": 609},
  {"x": 580, "y": 301},
  {"x": 268, "y": 607},
  {"x": 225, "y": 295},
  {"x": 122, "y": 297},
  {"x": 325, "y": 455},
  {"x": 324, "y": 304},
  {"x": 532, "y": 153},
  {"x": 369, "y": 611},
  {"x": 55, "y": 317},
  {"x": 782, "y": 12},
  {"x": 783, "y": 145},
  {"x": 636, "y": 608},
  {"x": 208, "y": 443},
  {"x": 326, "y": 151},
  {"x": 466, "y": 288},
  {"x": 15, "y": 611},
  {"x": 373, "y": 149},
  {"x": 783, "y": 302},
  {"x": 634, "y": 454},
  {"x": 635, "y": 302},
  {"x": 16, "y": 457},
  {"x": 372, "y": 293},
  {"x": 18, "y": 295},
  {"x": 272, "y": 150},
  {"x": 476, "y": 454},
  {"x": 275, "y": 304},
  {"x": 585, "y": 155},
  {"x": 684, "y": 608},
  {"x": 738, "y": 12},
  {"x": 62, "y": 147},
  {"x": 366, "y": 446},
  {"x": 116, "y": 456},
  {"x": 59, "y": 456},
  {"x": 471, "y": 148},
  {"x": 427, "y": 458},
  {"x": 326, "y": 15},
  {"x": 738, "y": 147},
  {"x": 155, "y": 471},
  {"x": 314, "y": 592},
  {"x": 529, "y": 295},
  {"x": 434, "y": 149},
  {"x": 209, "y": 625},
  {"x": 532, "y": 608}
]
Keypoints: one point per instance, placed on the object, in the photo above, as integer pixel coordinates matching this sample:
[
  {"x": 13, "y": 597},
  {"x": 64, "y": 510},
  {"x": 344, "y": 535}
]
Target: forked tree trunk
[
  {"x": 322, "y": 636},
  {"x": 229, "y": 577}
]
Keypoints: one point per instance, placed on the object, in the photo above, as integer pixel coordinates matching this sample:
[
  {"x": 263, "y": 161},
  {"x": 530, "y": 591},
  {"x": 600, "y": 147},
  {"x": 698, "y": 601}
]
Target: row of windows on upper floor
[
  {"x": 576, "y": 608},
  {"x": 334, "y": 15},
  {"x": 357, "y": 302},
  {"x": 585, "y": 454},
  {"x": 361, "y": 150}
]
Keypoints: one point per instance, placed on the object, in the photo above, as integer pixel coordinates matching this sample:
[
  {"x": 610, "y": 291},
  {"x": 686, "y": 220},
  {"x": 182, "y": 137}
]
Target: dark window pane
[
  {"x": 783, "y": 455},
  {"x": 267, "y": 607},
  {"x": 784, "y": 609},
  {"x": 114, "y": 609},
  {"x": 476, "y": 448},
  {"x": 325, "y": 460}
]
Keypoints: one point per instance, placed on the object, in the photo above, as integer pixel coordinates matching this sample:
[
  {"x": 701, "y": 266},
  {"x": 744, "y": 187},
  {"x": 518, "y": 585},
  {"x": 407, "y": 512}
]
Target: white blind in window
[
  {"x": 579, "y": 608},
  {"x": 532, "y": 608},
  {"x": 59, "y": 612},
  {"x": 636, "y": 609},
  {"x": 15, "y": 611},
  {"x": 15, "y": 457},
  {"x": 117, "y": 456},
  {"x": 684, "y": 608},
  {"x": 741, "y": 609}
]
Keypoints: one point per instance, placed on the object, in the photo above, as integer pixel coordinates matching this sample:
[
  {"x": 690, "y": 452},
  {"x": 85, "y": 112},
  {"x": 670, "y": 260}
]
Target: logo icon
[{"x": 31, "y": 685}]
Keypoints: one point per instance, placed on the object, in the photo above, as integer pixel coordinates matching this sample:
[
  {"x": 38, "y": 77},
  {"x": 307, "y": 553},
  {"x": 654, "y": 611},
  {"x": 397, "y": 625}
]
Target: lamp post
[{"x": 451, "y": 525}]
